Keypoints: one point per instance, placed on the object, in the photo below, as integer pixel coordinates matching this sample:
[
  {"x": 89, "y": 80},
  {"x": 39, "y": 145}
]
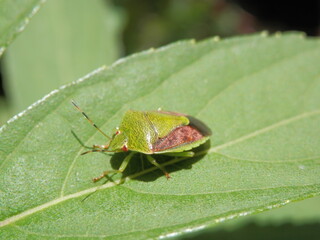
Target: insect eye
[
  {"x": 124, "y": 148},
  {"x": 117, "y": 132}
]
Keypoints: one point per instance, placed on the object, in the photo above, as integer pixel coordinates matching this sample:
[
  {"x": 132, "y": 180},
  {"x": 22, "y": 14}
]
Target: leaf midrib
[
  {"x": 54, "y": 202},
  {"x": 256, "y": 133},
  {"x": 219, "y": 218}
]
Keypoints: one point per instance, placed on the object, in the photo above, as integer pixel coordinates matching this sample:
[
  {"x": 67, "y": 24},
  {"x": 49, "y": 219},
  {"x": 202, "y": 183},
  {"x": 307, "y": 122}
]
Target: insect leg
[
  {"x": 104, "y": 174},
  {"x": 126, "y": 161},
  {"x": 180, "y": 154},
  {"x": 100, "y": 146},
  {"x": 122, "y": 167},
  {"x": 154, "y": 162},
  {"x": 95, "y": 150}
]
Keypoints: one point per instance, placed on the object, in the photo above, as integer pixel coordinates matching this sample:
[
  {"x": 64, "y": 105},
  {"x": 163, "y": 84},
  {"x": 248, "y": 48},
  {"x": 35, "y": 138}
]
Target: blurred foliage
[
  {"x": 58, "y": 46},
  {"x": 159, "y": 22}
]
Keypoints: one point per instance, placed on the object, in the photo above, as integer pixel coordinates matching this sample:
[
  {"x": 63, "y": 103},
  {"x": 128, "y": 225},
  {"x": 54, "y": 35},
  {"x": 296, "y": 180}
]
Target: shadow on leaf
[
  {"x": 254, "y": 231},
  {"x": 139, "y": 163}
]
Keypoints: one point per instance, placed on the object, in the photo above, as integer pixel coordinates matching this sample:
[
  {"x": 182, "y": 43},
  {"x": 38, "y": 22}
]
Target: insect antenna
[{"x": 89, "y": 120}]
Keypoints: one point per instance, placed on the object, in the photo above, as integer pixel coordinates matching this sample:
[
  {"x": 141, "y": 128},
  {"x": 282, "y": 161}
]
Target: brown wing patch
[{"x": 179, "y": 136}]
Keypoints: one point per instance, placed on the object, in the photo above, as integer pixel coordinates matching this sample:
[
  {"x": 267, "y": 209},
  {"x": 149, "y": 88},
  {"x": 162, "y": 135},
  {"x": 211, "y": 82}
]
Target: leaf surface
[{"x": 259, "y": 94}]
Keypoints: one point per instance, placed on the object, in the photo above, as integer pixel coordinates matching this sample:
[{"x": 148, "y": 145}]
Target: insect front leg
[
  {"x": 154, "y": 162},
  {"x": 97, "y": 148},
  {"x": 100, "y": 146},
  {"x": 122, "y": 167}
]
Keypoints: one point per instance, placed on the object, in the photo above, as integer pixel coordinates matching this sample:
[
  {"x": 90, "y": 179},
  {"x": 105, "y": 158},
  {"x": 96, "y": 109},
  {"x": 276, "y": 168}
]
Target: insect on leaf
[{"x": 260, "y": 96}]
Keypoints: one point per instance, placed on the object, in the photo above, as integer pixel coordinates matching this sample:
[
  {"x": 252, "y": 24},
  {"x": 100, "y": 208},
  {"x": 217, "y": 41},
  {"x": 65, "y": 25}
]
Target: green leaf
[
  {"x": 66, "y": 40},
  {"x": 14, "y": 16},
  {"x": 259, "y": 95}
]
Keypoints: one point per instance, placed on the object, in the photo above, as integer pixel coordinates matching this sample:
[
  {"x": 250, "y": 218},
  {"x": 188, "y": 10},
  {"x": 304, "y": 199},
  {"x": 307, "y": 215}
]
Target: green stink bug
[{"x": 152, "y": 132}]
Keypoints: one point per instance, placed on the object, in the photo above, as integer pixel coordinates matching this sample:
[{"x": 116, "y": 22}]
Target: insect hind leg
[
  {"x": 179, "y": 154},
  {"x": 154, "y": 162}
]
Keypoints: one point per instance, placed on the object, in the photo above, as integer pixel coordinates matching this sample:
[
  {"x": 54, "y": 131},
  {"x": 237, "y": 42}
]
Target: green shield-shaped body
[{"x": 155, "y": 132}]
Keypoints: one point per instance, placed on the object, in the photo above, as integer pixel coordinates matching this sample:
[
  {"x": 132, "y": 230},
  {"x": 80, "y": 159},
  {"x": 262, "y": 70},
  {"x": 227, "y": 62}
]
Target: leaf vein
[{"x": 264, "y": 130}]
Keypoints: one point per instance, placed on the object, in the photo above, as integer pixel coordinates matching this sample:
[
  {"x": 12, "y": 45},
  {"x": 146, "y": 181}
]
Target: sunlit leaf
[{"x": 259, "y": 95}]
